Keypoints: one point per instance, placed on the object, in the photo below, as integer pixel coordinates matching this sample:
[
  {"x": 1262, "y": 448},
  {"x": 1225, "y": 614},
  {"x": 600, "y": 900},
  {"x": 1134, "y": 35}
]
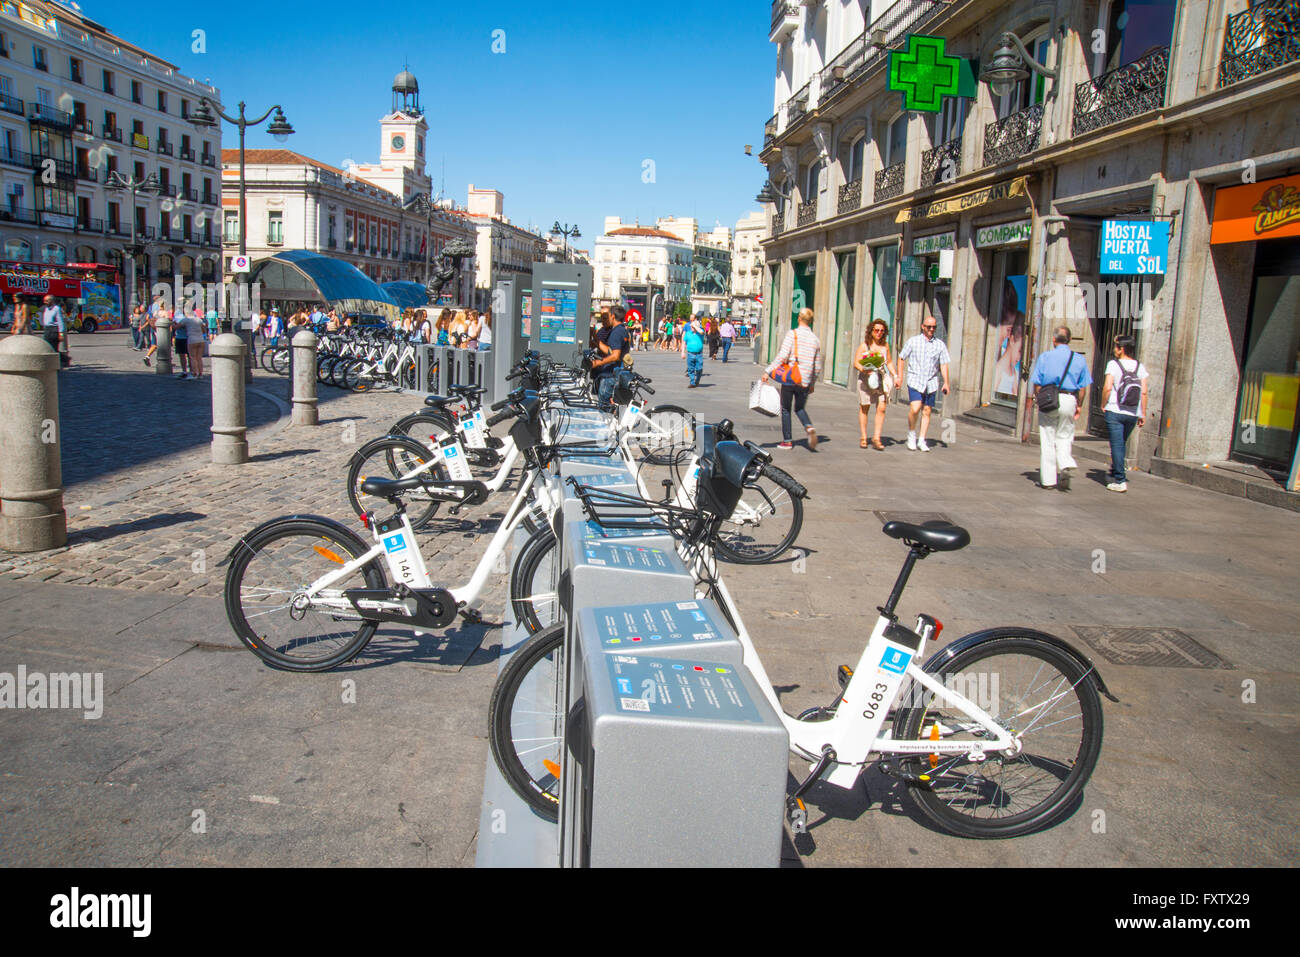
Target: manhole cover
[
  {"x": 1149, "y": 647},
  {"x": 912, "y": 518}
]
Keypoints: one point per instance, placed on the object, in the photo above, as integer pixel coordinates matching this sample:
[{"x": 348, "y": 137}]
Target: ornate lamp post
[
  {"x": 566, "y": 231},
  {"x": 119, "y": 183},
  {"x": 279, "y": 128}
]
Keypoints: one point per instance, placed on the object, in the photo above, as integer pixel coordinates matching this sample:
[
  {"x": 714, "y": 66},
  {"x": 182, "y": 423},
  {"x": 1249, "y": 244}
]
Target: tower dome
[{"x": 406, "y": 94}]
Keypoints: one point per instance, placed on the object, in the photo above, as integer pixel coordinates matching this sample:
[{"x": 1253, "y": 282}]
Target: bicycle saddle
[
  {"x": 936, "y": 536},
  {"x": 437, "y": 401},
  {"x": 467, "y": 390},
  {"x": 389, "y": 488}
]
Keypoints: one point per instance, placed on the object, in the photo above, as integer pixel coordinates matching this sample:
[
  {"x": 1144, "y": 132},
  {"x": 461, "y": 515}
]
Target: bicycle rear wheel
[
  {"x": 673, "y": 428},
  {"x": 525, "y": 725},
  {"x": 533, "y": 590},
  {"x": 764, "y": 523},
  {"x": 280, "y": 362},
  {"x": 1047, "y": 698},
  {"x": 391, "y": 457},
  {"x": 268, "y": 610}
]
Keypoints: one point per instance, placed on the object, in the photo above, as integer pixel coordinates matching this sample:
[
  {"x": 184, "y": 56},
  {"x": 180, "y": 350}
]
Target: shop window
[
  {"x": 1133, "y": 28},
  {"x": 18, "y": 249}
]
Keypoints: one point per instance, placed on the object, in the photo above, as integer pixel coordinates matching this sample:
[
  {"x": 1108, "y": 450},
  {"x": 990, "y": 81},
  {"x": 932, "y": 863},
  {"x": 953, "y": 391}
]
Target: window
[
  {"x": 137, "y": 91},
  {"x": 109, "y": 86},
  {"x": 38, "y": 58},
  {"x": 231, "y": 227},
  {"x": 18, "y": 249},
  {"x": 74, "y": 70},
  {"x": 896, "y": 141},
  {"x": 185, "y": 109},
  {"x": 275, "y": 227},
  {"x": 43, "y": 96},
  {"x": 4, "y": 44},
  {"x": 816, "y": 180},
  {"x": 110, "y": 121},
  {"x": 54, "y": 253},
  {"x": 114, "y": 217},
  {"x": 162, "y": 101},
  {"x": 137, "y": 128},
  {"x": 1133, "y": 29},
  {"x": 946, "y": 125},
  {"x": 856, "y": 158}
]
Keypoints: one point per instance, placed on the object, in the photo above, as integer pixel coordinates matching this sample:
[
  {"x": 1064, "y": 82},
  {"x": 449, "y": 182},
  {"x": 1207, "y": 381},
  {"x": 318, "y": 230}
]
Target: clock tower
[{"x": 404, "y": 131}]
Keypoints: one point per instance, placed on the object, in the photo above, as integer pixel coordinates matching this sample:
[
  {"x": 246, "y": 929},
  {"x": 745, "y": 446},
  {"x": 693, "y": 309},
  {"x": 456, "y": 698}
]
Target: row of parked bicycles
[
  {"x": 995, "y": 734},
  {"x": 359, "y": 360}
]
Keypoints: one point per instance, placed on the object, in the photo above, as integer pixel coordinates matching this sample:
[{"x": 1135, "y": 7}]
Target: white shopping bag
[{"x": 765, "y": 398}]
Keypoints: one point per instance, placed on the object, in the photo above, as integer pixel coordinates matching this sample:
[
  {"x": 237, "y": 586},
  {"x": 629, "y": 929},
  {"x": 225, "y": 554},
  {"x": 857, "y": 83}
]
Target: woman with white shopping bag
[
  {"x": 796, "y": 368},
  {"x": 875, "y": 380}
]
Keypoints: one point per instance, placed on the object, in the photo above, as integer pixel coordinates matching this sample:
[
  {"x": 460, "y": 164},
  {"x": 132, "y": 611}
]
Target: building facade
[
  {"x": 79, "y": 104},
  {"x": 504, "y": 250},
  {"x": 711, "y": 273},
  {"x": 637, "y": 256},
  {"x": 998, "y": 214},
  {"x": 297, "y": 202},
  {"x": 747, "y": 267}
]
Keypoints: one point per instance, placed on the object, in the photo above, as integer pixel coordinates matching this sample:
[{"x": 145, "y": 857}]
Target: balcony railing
[
  {"x": 166, "y": 189},
  {"x": 798, "y": 106},
  {"x": 1132, "y": 90},
  {"x": 769, "y": 132},
  {"x": 1259, "y": 39},
  {"x": 785, "y": 18},
  {"x": 807, "y": 212},
  {"x": 41, "y": 113},
  {"x": 333, "y": 244},
  {"x": 114, "y": 134},
  {"x": 164, "y": 147},
  {"x": 1011, "y": 137},
  {"x": 83, "y": 125},
  {"x": 11, "y": 104},
  {"x": 207, "y": 160},
  {"x": 889, "y": 182},
  {"x": 187, "y": 154},
  {"x": 941, "y": 164},
  {"x": 209, "y": 199},
  {"x": 87, "y": 225},
  {"x": 850, "y": 197},
  {"x": 17, "y": 214},
  {"x": 778, "y": 224},
  {"x": 89, "y": 174},
  {"x": 190, "y": 194}
]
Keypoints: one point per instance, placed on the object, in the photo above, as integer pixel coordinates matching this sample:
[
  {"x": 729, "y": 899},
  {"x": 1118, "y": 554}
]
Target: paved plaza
[{"x": 1184, "y": 598}]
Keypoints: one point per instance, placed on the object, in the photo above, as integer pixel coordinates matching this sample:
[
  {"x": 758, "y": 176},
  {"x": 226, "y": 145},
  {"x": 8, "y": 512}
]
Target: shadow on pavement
[{"x": 102, "y": 533}]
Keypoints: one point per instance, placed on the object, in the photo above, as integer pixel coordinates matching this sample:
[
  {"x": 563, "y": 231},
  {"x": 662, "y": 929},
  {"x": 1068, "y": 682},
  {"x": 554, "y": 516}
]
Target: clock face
[{"x": 399, "y": 143}]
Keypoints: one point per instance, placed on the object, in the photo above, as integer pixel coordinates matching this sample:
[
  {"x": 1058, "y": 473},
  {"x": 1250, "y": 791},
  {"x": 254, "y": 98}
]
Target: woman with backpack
[{"x": 1124, "y": 402}]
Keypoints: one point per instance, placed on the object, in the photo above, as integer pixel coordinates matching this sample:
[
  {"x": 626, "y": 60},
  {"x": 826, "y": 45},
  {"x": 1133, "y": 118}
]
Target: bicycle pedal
[
  {"x": 843, "y": 675},
  {"x": 798, "y": 817},
  {"x": 472, "y": 615}
]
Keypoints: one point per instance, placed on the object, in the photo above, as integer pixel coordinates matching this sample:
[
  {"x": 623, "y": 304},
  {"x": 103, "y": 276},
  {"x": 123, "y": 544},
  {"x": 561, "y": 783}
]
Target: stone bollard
[
  {"x": 31, "y": 473},
  {"x": 229, "y": 445},
  {"x": 162, "y": 359},
  {"x": 304, "y": 379}
]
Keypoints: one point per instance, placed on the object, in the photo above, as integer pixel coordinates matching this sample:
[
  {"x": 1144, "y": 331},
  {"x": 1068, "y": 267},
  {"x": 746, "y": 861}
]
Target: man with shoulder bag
[{"x": 1061, "y": 379}]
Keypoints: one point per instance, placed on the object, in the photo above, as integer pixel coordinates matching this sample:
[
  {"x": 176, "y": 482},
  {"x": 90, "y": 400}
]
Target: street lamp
[
  {"x": 1007, "y": 66},
  {"x": 118, "y": 183},
  {"x": 279, "y": 128},
  {"x": 566, "y": 231},
  {"x": 421, "y": 203}
]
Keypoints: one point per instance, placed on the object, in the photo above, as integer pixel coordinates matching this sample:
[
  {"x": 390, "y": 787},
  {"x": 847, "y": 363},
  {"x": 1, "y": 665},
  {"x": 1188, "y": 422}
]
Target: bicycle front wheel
[
  {"x": 764, "y": 523},
  {"x": 1046, "y": 698},
  {"x": 280, "y": 362},
  {"x": 671, "y": 428},
  {"x": 393, "y": 457},
  {"x": 533, "y": 590},
  {"x": 269, "y": 610},
  {"x": 525, "y": 724}
]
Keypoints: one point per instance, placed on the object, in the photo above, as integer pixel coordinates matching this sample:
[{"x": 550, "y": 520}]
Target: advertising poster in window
[
  {"x": 1011, "y": 336},
  {"x": 103, "y": 301},
  {"x": 526, "y": 314},
  {"x": 559, "y": 313}
]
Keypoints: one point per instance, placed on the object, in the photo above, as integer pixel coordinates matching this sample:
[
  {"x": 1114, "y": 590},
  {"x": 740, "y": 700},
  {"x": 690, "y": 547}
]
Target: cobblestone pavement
[{"x": 158, "y": 521}]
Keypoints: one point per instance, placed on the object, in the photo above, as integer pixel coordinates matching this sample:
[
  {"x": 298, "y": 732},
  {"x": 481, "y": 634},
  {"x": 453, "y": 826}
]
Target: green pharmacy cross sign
[{"x": 925, "y": 74}]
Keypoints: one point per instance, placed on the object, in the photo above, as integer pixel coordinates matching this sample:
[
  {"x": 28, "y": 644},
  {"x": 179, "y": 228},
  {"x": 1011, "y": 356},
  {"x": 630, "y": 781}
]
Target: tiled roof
[
  {"x": 265, "y": 157},
  {"x": 642, "y": 231}
]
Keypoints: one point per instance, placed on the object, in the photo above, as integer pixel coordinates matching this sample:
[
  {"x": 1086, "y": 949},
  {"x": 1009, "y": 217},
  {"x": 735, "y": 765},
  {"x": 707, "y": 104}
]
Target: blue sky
[{"x": 561, "y": 122}]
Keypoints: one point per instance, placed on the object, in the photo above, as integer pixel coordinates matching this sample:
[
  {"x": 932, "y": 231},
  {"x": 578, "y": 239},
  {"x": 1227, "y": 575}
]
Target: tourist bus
[{"x": 90, "y": 293}]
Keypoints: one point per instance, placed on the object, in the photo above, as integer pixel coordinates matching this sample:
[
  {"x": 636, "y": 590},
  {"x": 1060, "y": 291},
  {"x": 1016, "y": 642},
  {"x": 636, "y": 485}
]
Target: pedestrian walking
[
  {"x": 727, "y": 333},
  {"x": 55, "y": 330},
  {"x": 19, "y": 317},
  {"x": 195, "y": 326},
  {"x": 715, "y": 339},
  {"x": 923, "y": 366},
  {"x": 875, "y": 380},
  {"x": 666, "y": 333},
  {"x": 1060, "y": 379},
  {"x": 796, "y": 367},
  {"x": 180, "y": 342},
  {"x": 1124, "y": 405},
  {"x": 485, "y": 330},
  {"x": 692, "y": 349}
]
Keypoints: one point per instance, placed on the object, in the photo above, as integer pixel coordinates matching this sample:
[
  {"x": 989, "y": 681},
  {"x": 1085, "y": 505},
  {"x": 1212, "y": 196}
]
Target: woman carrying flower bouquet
[{"x": 875, "y": 379}]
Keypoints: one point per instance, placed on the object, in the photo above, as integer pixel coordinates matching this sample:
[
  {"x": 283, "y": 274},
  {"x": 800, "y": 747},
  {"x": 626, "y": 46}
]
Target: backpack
[{"x": 1128, "y": 391}]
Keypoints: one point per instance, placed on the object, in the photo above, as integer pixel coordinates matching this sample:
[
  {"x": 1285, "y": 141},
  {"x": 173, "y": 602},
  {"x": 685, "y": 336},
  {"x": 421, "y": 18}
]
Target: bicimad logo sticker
[
  {"x": 895, "y": 660},
  {"x": 395, "y": 543}
]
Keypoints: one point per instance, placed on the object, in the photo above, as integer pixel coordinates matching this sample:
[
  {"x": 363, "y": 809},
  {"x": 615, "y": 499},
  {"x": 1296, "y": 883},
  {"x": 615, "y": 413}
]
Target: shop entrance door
[
  {"x": 842, "y": 336},
  {"x": 805, "y": 278},
  {"x": 1266, "y": 425},
  {"x": 1004, "y": 331}
]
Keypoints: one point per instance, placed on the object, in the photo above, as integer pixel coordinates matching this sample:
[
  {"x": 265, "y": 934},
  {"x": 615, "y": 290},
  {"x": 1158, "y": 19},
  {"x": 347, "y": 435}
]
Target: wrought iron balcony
[
  {"x": 941, "y": 164},
  {"x": 1259, "y": 39},
  {"x": 88, "y": 173},
  {"x": 807, "y": 212},
  {"x": 18, "y": 214},
  {"x": 785, "y": 20},
  {"x": 769, "y": 132},
  {"x": 1132, "y": 90},
  {"x": 850, "y": 197},
  {"x": 88, "y": 225},
  {"x": 11, "y": 104},
  {"x": 83, "y": 125},
  {"x": 889, "y": 182},
  {"x": 797, "y": 107},
  {"x": 164, "y": 147},
  {"x": 187, "y": 154},
  {"x": 209, "y": 199},
  {"x": 113, "y": 133},
  {"x": 208, "y": 160},
  {"x": 166, "y": 189},
  {"x": 48, "y": 115},
  {"x": 1013, "y": 136},
  {"x": 778, "y": 224}
]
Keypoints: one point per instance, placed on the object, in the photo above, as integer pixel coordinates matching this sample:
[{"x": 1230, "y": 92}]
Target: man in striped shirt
[{"x": 922, "y": 362}]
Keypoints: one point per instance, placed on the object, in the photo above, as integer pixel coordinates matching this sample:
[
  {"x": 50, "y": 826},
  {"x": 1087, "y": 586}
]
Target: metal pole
[{"x": 246, "y": 334}]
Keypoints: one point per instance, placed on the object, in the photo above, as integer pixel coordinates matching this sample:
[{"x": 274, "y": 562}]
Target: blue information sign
[{"x": 1134, "y": 248}]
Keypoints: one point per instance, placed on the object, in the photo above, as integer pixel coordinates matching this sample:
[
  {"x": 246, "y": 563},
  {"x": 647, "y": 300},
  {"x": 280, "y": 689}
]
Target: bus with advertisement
[{"x": 90, "y": 293}]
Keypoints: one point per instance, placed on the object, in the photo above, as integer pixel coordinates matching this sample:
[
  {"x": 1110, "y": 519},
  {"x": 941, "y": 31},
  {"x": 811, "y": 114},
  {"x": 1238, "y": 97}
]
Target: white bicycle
[{"x": 995, "y": 735}]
